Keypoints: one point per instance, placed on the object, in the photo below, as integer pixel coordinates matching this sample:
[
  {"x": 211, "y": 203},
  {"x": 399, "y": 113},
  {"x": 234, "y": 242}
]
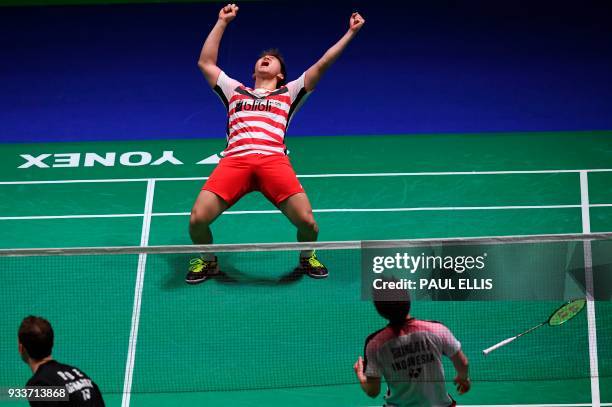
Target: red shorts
[{"x": 272, "y": 175}]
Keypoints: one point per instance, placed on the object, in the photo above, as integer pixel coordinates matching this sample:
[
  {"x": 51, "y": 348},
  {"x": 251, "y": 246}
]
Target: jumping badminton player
[
  {"x": 408, "y": 354},
  {"x": 255, "y": 158}
]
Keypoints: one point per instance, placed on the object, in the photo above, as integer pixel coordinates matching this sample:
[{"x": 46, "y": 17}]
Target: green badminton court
[{"x": 257, "y": 337}]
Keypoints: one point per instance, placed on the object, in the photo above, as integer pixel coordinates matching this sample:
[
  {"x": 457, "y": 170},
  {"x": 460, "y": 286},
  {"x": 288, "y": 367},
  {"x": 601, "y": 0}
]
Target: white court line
[
  {"x": 343, "y": 210},
  {"x": 378, "y": 174},
  {"x": 433, "y": 173},
  {"x": 416, "y": 174},
  {"x": 275, "y": 211},
  {"x": 588, "y": 275},
  {"x": 121, "y": 215},
  {"x": 74, "y": 181},
  {"x": 140, "y": 274},
  {"x": 433, "y": 208}
]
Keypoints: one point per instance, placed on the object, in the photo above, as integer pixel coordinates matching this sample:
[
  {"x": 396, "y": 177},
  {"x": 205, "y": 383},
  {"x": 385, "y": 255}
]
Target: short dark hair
[
  {"x": 274, "y": 52},
  {"x": 36, "y": 336},
  {"x": 392, "y": 304}
]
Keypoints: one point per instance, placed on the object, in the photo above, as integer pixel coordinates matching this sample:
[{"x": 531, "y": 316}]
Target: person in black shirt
[{"x": 35, "y": 344}]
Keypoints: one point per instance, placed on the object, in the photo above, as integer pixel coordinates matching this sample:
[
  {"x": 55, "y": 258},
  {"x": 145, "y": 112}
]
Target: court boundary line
[
  {"x": 406, "y": 209},
  {"x": 332, "y": 175},
  {"x": 322, "y": 210},
  {"x": 138, "y": 288},
  {"x": 48, "y": 217},
  {"x": 588, "y": 275}
]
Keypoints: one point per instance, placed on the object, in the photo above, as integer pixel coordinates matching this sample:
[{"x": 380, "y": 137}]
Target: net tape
[{"x": 332, "y": 245}]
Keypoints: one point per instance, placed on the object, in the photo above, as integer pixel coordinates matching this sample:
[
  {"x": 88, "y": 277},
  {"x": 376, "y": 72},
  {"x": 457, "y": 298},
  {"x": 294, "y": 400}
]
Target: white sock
[{"x": 305, "y": 254}]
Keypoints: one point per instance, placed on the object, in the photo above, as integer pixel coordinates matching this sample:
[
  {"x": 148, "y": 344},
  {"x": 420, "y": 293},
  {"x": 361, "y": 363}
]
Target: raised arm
[
  {"x": 462, "y": 380},
  {"x": 208, "y": 56},
  {"x": 314, "y": 73}
]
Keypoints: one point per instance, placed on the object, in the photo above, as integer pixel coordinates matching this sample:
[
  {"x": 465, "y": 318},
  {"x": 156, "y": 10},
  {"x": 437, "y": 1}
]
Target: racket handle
[{"x": 499, "y": 345}]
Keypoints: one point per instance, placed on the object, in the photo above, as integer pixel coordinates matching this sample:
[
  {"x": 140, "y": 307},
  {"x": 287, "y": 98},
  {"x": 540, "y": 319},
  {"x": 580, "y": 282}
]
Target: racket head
[{"x": 566, "y": 312}]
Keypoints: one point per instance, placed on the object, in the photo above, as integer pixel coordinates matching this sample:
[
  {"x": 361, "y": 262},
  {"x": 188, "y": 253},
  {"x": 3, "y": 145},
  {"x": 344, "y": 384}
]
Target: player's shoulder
[
  {"x": 374, "y": 334},
  {"x": 46, "y": 374},
  {"x": 225, "y": 79},
  {"x": 376, "y": 338},
  {"x": 60, "y": 371},
  {"x": 431, "y": 324},
  {"x": 431, "y": 321},
  {"x": 38, "y": 380},
  {"x": 58, "y": 366},
  {"x": 432, "y": 327}
]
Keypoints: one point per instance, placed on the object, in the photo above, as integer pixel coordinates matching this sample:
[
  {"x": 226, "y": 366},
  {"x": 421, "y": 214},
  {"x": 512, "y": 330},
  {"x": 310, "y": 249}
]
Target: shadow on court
[{"x": 230, "y": 274}]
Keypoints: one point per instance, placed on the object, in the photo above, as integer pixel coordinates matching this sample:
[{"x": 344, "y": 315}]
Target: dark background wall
[{"x": 129, "y": 71}]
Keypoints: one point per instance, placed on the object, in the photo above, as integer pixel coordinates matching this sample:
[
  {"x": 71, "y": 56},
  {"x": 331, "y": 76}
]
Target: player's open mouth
[{"x": 265, "y": 63}]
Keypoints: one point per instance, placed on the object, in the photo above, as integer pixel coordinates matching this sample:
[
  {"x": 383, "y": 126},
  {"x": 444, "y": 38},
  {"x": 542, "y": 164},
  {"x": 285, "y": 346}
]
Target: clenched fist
[
  {"x": 228, "y": 13},
  {"x": 356, "y": 22}
]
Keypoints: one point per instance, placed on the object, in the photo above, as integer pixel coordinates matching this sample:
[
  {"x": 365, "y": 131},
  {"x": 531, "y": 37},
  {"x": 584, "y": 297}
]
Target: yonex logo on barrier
[{"x": 109, "y": 159}]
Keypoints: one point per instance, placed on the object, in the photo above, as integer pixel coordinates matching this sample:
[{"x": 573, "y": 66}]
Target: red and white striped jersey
[
  {"x": 411, "y": 362},
  {"x": 257, "y": 119}
]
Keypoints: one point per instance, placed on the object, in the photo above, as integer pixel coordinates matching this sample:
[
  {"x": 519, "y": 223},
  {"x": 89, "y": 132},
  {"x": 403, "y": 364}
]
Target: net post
[{"x": 588, "y": 274}]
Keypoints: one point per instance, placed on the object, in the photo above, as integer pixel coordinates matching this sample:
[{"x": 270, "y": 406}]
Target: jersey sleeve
[
  {"x": 226, "y": 88},
  {"x": 449, "y": 345},
  {"x": 371, "y": 364},
  {"x": 297, "y": 91}
]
